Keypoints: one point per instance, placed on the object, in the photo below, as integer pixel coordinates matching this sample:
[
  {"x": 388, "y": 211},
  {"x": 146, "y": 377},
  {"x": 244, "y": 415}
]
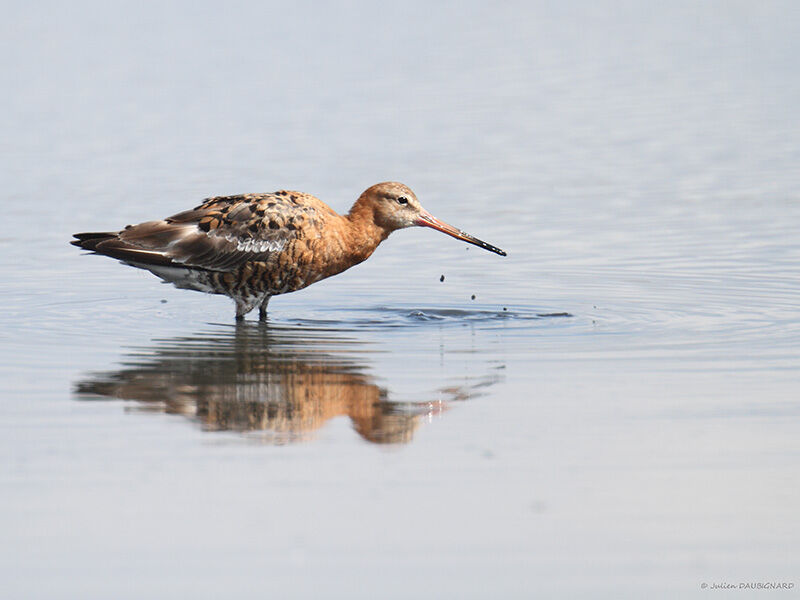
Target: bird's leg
[
  {"x": 262, "y": 310},
  {"x": 243, "y": 306}
]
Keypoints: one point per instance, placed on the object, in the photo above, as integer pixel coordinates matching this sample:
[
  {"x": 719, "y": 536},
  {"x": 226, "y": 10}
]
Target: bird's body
[{"x": 255, "y": 246}]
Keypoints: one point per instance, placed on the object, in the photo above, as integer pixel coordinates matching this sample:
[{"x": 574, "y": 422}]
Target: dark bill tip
[{"x": 428, "y": 220}]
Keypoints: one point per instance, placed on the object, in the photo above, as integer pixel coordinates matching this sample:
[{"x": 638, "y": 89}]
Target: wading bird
[{"x": 255, "y": 246}]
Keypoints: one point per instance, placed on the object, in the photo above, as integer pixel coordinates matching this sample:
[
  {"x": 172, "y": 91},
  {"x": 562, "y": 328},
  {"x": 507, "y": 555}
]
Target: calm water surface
[{"x": 615, "y": 413}]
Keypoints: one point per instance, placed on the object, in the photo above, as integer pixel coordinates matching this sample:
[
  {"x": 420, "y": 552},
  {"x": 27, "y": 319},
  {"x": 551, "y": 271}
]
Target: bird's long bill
[{"x": 428, "y": 220}]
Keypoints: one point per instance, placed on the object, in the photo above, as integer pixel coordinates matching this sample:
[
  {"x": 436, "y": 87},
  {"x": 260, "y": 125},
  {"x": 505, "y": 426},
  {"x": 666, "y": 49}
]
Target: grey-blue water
[{"x": 384, "y": 435}]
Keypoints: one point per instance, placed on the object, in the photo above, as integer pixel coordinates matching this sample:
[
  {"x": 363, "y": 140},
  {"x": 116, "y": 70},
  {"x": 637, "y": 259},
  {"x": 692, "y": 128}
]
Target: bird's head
[{"x": 394, "y": 206}]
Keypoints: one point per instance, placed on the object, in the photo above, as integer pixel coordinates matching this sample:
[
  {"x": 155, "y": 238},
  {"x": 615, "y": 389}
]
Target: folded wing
[{"x": 221, "y": 234}]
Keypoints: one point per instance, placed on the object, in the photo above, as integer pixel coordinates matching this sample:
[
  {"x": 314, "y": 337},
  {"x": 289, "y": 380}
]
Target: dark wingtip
[
  {"x": 90, "y": 239},
  {"x": 91, "y": 235}
]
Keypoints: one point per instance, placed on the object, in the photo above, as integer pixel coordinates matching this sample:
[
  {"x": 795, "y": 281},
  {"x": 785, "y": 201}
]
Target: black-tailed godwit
[{"x": 255, "y": 246}]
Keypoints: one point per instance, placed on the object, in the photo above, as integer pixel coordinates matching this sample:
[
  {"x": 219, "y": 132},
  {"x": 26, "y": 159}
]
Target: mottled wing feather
[{"x": 222, "y": 233}]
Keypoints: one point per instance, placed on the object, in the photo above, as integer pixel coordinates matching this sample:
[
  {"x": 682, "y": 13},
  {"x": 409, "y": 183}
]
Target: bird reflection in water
[{"x": 282, "y": 383}]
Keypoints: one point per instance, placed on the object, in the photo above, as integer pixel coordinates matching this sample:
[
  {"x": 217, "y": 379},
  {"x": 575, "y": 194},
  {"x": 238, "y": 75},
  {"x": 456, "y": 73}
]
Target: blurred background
[{"x": 613, "y": 414}]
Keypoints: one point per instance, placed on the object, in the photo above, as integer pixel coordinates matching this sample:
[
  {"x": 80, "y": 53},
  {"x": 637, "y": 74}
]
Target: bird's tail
[
  {"x": 109, "y": 244},
  {"x": 89, "y": 240}
]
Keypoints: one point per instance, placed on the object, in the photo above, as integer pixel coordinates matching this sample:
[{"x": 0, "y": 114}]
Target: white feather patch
[{"x": 258, "y": 246}]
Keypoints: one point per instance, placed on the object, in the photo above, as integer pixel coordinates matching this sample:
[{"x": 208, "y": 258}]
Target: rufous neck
[{"x": 365, "y": 232}]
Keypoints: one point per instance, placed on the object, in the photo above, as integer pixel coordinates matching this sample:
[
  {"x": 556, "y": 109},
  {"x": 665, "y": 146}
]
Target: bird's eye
[{"x": 402, "y": 200}]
